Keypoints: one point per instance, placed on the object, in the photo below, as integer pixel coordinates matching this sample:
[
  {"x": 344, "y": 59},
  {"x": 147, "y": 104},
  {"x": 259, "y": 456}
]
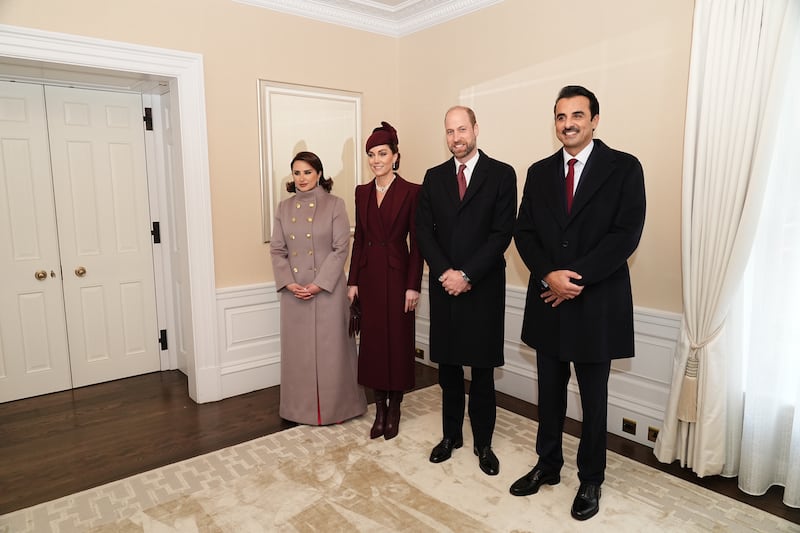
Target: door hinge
[
  {"x": 148, "y": 118},
  {"x": 156, "y": 233},
  {"x": 162, "y": 339}
]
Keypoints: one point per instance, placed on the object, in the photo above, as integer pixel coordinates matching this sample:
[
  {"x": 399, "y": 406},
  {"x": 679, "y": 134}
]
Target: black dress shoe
[
  {"x": 487, "y": 460},
  {"x": 530, "y": 482},
  {"x": 443, "y": 450},
  {"x": 587, "y": 502}
]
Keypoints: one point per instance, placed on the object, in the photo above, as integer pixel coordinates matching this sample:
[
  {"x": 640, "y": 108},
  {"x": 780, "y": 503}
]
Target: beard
[{"x": 468, "y": 148}]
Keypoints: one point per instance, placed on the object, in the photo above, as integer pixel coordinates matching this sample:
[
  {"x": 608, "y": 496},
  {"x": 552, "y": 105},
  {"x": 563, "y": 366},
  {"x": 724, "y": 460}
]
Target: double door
[{"x": 77, "y": 294}]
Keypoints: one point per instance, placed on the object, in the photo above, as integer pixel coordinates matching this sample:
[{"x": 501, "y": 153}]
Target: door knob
[
  {"x": 80, "y": 271},
  {"x": 41, "y": 275}
]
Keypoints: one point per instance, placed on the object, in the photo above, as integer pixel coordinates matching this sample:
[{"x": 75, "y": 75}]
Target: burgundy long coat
[
  {"x": 310, "y": 241},
  {"x": 385, "y": 263}
]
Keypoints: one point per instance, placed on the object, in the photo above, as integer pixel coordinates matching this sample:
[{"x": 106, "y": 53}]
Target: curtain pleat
[{"x": 728, "y": 119}]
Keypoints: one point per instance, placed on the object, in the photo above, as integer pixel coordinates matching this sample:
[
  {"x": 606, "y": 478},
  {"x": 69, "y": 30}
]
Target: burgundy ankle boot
[
  {"x": 393, "y": 417},
  {"x": 379, "y": 426}
]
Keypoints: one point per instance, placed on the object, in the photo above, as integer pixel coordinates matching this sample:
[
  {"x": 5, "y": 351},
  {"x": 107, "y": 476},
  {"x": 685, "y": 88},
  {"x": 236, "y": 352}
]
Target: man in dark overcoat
[
  {"x": 465, "y": 221},
  {"x": 580, "y": 219}
]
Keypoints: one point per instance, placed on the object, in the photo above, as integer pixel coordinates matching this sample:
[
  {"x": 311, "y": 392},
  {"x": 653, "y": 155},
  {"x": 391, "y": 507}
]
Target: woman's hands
[
  {"x": 412, "y": 299},
  {"x": 352, "y": 292},
  {"x": 304, "y": 293}
]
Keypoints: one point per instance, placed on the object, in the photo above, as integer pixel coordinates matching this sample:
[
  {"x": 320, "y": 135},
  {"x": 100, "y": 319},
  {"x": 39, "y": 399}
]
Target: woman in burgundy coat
[{"x": 385, "y": 275}]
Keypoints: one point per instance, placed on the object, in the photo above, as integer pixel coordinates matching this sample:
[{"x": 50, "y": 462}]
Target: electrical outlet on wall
[{"x": 629, "y": 426}]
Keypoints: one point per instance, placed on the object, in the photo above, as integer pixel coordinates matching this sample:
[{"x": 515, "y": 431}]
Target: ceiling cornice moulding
[{"x": 398, "y": 20}]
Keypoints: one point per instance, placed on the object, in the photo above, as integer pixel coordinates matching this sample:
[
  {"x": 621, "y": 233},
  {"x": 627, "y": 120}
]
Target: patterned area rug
[{"x": 335, "y": 478}]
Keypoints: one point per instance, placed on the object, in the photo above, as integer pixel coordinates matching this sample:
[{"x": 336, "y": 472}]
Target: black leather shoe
[
  {"x": 443, "y": 450},
  {"x": 587, "y": 502},
  {"x": 487, "y": 460},
  {"x": 530, "y": 482}
]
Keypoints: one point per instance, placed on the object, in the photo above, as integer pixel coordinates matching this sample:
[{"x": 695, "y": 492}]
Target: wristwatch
[{"x": 466, "y": 278}]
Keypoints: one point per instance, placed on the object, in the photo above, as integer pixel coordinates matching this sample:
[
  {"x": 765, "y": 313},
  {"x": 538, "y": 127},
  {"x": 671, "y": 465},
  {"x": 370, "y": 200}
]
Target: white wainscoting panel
[
  {"x": 249, "y": 319},
  {"x": 250, "y": 338}
]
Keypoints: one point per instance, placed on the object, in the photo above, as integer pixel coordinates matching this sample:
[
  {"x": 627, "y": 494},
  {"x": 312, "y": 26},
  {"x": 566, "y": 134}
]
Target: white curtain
[
  {"x": 736, "y": 81},
  {"x": 763, "y": 443}
]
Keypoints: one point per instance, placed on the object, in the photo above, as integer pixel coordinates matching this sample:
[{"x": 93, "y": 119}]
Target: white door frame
[{"x": 185, "y": 71}]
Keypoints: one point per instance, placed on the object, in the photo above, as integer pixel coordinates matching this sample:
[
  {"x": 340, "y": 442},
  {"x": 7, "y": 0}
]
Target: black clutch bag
[{"x": 355, "y": 318}]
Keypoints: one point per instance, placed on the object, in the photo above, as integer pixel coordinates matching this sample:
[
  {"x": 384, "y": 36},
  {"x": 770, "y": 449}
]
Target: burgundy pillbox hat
[{"x": 385, "y": 134}]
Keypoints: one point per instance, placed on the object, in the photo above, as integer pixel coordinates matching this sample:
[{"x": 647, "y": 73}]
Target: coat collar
[
  {"x": 479, "y": 175},
  {"x": 392, "y": 202},
  {"x": 598, "y": 167}
]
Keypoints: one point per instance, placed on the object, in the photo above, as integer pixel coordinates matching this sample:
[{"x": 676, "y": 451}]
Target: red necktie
[
  {"x": 570, "y": 183},
  {"x": 462, "y": 181}
]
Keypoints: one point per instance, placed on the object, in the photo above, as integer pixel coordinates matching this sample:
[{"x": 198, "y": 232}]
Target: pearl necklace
[{"x": 383, "y": 189}]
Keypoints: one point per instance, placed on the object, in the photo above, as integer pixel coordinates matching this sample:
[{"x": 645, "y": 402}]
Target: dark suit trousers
[
  {"x": 593, "y": 386},
  {"x": 482, "y": 403}
]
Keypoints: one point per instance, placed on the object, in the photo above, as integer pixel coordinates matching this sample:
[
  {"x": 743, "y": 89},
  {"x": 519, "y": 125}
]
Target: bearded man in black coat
[
  {"x": 580, "y": 219},
  {"x": 465, "y": 221}
]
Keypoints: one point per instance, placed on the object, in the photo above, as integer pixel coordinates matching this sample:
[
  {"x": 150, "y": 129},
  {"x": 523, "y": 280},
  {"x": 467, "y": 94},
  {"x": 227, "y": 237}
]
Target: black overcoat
[
  {"x": 470, "y": 235},
  {"x": 595, "y": 240}
]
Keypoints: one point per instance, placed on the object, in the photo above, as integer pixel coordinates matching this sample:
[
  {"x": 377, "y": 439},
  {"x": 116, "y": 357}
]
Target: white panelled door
[
  {"x": 34, "y": 358},
  {"x": 102, "y": 208},
  {"x": 78, "y": 294}
]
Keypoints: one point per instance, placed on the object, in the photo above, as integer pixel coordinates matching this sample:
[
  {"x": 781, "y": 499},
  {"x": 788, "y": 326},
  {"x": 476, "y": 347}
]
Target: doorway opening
[{"x": 175, "y": 79}]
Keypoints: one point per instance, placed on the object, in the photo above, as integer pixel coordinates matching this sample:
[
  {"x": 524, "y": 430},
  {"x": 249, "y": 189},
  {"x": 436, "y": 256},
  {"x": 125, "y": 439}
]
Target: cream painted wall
[
  {"x": 239, "y": 44},
  {"x": 507, "y": 61}
]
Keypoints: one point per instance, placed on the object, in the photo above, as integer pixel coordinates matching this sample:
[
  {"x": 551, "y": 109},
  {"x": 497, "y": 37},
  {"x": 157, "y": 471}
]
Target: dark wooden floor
[{"x": 61, "y": 443}]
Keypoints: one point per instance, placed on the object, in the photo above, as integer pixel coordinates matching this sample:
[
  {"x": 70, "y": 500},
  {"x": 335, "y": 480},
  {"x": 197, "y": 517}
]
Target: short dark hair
[
  {"x": 315, "y": 162},
  {"x": 571, "y": 91}
]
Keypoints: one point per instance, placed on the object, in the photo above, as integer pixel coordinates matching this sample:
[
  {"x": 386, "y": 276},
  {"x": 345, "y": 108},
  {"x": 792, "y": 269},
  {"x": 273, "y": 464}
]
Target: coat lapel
[
  {"x": 555, "y": 198},
  {"x": 599, "y": 166},
  {"x": 450, "y": 181},
  {"x": 373, "y": 213},
  {"x": 394, "y": 201},
  {"x": 479, "y": 176}
]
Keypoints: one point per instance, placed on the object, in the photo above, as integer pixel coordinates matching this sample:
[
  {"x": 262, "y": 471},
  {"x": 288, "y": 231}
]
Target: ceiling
[{"x": 394, "y": 18}]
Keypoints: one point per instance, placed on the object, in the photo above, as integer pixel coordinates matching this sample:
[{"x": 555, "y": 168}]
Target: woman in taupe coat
[{"x": 309, "y": 246}]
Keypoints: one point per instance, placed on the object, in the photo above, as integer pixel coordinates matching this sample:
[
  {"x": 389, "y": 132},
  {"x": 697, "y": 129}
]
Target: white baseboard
[{"x": 249, "y": 321}]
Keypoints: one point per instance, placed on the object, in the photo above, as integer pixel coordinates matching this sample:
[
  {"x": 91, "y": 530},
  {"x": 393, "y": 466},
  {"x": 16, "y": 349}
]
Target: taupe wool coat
[{"x": 319, "y": 365}]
